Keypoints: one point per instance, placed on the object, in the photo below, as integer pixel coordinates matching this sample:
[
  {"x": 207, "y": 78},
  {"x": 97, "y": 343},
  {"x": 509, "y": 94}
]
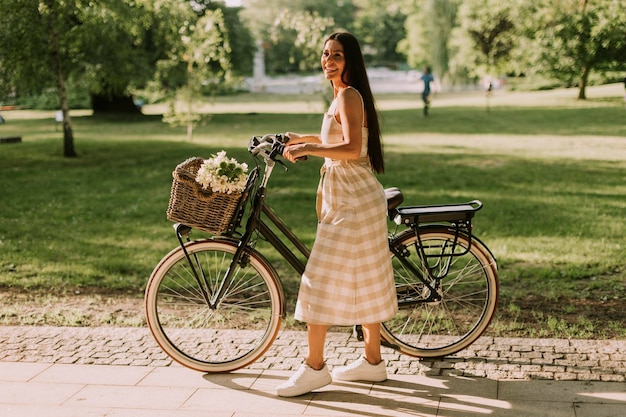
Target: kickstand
[{"x": 357, "y": 332}]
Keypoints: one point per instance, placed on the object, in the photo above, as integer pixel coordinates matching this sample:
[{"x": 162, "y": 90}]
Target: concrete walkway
[{"x": 51, "y": 371}]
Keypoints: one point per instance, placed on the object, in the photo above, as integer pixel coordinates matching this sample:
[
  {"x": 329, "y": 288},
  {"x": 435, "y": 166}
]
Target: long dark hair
[{"x": 355, "y": 75}]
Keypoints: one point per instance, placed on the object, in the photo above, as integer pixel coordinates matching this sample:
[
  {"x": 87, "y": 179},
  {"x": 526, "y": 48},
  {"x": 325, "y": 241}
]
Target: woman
[{"x": 348, "y": 278}]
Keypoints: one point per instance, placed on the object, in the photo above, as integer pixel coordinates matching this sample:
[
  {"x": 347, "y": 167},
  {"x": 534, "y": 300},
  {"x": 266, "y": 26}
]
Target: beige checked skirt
[{"x": 348, "y": 278}]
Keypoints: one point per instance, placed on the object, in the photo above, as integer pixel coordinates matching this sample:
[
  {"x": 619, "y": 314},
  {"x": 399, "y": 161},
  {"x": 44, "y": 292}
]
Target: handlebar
[{"x": 268, "y": 146}]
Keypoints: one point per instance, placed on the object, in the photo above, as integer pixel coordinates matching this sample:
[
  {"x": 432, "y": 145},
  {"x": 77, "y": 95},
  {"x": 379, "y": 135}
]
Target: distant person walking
[{"x": 426, "y": 78}]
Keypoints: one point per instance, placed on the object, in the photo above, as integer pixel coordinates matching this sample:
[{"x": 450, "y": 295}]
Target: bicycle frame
[{"x": 278, "y": 244}]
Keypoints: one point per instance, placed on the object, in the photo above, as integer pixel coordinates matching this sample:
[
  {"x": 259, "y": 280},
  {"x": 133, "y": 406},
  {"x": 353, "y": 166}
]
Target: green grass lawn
[{"x": 553, "y": 182}]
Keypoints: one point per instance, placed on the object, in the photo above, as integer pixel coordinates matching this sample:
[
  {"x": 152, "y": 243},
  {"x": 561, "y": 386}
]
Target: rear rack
[{"x": 449, "y": 213}]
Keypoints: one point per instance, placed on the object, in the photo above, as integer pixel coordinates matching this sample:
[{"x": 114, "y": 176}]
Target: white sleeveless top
[{"x": 331, "y": 128}]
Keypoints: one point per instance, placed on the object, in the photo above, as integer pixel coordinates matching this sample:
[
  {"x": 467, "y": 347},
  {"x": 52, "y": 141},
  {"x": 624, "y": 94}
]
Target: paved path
[
  {"x": 52, "y": 371},
  {"x": 496, "y": 358}
]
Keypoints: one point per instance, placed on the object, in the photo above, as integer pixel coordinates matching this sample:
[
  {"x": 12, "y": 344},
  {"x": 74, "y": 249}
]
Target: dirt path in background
[
  {"x": 533, "y": 317},
  {"x": 90, "y": 309}
]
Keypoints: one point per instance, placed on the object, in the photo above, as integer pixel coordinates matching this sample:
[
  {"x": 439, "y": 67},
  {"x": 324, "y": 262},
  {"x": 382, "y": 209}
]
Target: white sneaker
[
  {"x": 306, "y": 379},
  {"x": 361, "y": 370}
]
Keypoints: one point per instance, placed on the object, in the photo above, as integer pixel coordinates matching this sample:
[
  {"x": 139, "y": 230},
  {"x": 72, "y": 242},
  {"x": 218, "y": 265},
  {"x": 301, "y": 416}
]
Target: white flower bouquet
[{"x": 221, "y": 174}]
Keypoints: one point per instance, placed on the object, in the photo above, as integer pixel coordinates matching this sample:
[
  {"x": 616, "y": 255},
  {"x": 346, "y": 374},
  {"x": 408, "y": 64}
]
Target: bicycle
[{"x": 216, "y": 304}]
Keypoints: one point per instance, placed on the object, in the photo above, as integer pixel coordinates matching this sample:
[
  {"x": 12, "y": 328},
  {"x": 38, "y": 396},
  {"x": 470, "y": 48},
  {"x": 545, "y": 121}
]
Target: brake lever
[{"x": 282, "y": 163}]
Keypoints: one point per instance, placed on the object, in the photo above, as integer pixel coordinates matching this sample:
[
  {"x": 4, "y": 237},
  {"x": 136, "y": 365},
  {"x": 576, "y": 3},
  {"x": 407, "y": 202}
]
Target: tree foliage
[
  {"x": 429, "y": 27},
  {"x": 111, "y": 48},
  {"x": 36, "y": 50},
  {"x": 240, "y": 38},
  {"x": 295, "y": 39},
  {"x": 574, "y": 37},
  {"x": 204, "y": 59},
  {"x": 379, "y": 26},
  {"x": 292, "y": 31},
  {"x": 485, "y": 37},
  {"x": 108, "y": 47}
]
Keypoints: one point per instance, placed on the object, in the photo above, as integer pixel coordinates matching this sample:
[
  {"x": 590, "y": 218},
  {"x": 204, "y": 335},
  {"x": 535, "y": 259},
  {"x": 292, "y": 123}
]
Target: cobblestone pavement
[{"x": 495, "y": 358}]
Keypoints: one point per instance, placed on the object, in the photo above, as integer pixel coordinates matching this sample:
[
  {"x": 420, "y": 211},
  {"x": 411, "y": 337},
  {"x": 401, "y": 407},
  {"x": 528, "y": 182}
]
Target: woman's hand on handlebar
[
  {"x": 295, "y": 152},
  {"x": 292, "y": 137},
  {"x": 295, "y": 148}
]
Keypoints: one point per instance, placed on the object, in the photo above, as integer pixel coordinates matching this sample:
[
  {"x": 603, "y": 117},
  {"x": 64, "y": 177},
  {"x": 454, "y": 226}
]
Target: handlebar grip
[{"x": 278, "y": 148}]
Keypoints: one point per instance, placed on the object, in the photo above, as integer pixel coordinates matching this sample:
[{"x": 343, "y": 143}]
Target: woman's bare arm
[{"x": 350, "y": 115}]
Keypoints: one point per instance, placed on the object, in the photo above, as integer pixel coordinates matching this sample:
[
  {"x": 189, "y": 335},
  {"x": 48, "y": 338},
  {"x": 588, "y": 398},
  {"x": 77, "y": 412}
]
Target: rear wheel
[
  {"x": 441, "y": 322},
  {"x": 201, "y": 332}
]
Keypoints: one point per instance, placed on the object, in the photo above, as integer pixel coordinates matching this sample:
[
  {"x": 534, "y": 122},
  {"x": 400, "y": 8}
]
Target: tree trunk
[
  {"x": 583, "y": 83},
  {"x": 68, "y": 135},
  {"x": 585, "y": 75},
  {"x": 190, "y": 118}
]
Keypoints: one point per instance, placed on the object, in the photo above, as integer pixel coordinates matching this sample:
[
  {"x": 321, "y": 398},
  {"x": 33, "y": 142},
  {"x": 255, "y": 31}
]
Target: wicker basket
[{"x": 193, "y": 206}]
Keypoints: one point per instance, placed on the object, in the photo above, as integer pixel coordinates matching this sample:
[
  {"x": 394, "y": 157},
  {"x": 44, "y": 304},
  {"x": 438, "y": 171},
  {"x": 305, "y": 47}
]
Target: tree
[
  {"x": 428, "y": 28},
  {"x": 122, "y": 41},
  {"x": 108, "y": 46},
  {"x": 205, "y": 56},
  {"x": 292, "y": 31},
  {"x": 575, "y": 37},
  {"x": 485, "y": 37},
  {"x": 301, "y": 34},
  {"x": 379, "y": 26},
  {"x": 36, "y": 38},
  {"x": 51, "y": 17},
  {"x": 240, "y": 39}
]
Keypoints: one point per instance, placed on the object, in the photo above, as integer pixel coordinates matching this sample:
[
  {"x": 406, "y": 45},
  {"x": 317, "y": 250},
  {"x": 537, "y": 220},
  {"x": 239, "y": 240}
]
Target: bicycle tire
[
  {"x": 469, "y": 293},
  {"x": 231, "y": 335}
]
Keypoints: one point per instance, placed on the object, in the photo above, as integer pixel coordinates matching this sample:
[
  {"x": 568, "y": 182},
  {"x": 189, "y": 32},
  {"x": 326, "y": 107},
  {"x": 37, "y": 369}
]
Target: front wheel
[
  {"x": 197, "y": 329},
  {"x": 438, "y": 323}
]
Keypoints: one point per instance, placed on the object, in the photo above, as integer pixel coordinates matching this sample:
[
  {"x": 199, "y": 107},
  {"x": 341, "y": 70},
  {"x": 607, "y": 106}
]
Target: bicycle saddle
[{"x": 394, "y": 197}]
